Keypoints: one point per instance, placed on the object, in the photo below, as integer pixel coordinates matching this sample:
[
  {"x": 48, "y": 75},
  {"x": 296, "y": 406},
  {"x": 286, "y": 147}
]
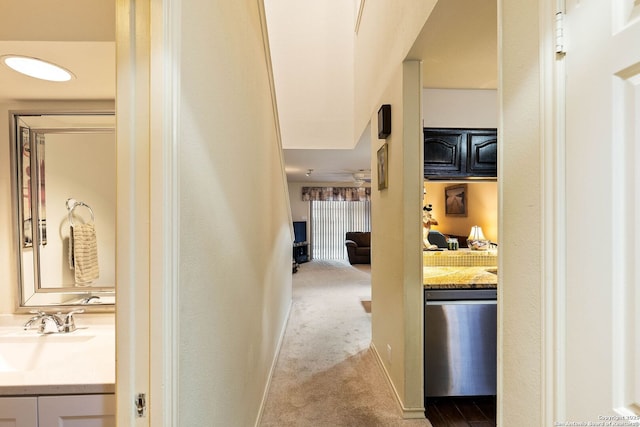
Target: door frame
[
  {"x": 530, "y": 291},
  {"x": 146, "y": 316}
]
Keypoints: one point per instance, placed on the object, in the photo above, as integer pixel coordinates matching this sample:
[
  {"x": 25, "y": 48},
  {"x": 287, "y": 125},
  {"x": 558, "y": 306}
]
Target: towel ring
[{"x": 72, "y": 204}]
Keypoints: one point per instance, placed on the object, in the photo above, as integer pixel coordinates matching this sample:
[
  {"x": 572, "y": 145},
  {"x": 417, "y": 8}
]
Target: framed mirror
[{"x": 64, "y": 198}]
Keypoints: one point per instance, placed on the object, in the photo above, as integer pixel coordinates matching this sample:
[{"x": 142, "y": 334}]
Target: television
[{"x": 300, "y": 231}]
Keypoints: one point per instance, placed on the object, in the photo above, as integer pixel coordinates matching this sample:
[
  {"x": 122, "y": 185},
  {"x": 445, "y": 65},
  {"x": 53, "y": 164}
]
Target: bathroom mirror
[{"x": 64, "y": 198}]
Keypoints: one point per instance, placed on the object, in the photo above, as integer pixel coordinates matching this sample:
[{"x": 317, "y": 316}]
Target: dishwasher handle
[
  {"x": 463, "y": 302},
  {"x": 460, "y": 294}
]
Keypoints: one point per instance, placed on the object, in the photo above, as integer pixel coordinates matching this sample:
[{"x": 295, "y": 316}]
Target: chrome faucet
[
  {"x": 53, "y": 323},
  {"x": 50, "y": 324},
  {"x": 89, "y": 299},
  {"x": 38, "y": 316},
  {"x": 69, "y": 324}
]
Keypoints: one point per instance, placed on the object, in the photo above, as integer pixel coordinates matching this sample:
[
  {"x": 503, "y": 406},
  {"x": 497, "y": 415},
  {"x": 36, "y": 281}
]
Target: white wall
[
  {"x": 82, "y": 166},
  {"x": 235, "y": 241},
  {"x": 8, "y": 273},
  {"x": 460, "y": 108}
]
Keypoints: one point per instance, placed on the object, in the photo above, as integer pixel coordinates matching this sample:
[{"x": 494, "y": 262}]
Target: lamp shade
[{"x": 476, "y": 233}]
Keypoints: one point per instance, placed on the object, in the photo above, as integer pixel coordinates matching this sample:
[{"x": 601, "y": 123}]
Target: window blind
[{"x": 330, "y": 221}]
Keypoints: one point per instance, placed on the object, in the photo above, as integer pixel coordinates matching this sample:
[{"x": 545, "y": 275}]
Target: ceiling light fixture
[
  {"x": 37, "y": 68},
  {"x": 309, "y": 172}
]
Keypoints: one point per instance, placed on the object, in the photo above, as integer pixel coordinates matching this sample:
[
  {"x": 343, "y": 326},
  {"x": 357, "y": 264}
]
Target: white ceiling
[
  {"x": 311, "y": 47},
  {"x": 78, "y": 35},
  {"x": 458, "y": 45},
  {"x": 329, "y": 165}
]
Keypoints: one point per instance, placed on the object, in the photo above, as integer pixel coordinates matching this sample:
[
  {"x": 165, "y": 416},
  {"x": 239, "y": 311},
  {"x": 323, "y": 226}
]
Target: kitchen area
[
  {"x": 460, "y": 268},
  {"x": 460, "y": 289}
]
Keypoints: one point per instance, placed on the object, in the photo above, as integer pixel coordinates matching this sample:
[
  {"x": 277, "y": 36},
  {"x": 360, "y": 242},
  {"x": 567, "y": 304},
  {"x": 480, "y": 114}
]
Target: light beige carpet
[{"x": 326, "y": 374}]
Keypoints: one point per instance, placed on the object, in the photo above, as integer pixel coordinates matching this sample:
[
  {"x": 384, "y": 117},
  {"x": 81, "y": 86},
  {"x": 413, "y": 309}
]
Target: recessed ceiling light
[{"x": 37, "y": 68}]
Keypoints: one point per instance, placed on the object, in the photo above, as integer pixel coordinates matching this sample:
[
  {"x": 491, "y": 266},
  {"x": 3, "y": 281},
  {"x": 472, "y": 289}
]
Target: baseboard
[
  {"x": 407, "y": 413},
  {"x": 274, "y": 362}
]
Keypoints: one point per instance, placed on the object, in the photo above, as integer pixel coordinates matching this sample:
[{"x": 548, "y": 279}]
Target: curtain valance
[{"x": 336, "y": 194}]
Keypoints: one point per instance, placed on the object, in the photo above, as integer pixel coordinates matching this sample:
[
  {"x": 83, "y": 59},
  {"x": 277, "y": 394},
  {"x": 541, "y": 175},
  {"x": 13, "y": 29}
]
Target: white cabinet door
[
  {"x": 91, "y": 410},
  {"x": 18, "y": 412}
]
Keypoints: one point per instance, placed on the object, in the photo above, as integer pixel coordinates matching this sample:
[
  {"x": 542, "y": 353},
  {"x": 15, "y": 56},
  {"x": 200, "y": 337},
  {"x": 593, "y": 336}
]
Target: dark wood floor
[{"x": 461, "y": 411}]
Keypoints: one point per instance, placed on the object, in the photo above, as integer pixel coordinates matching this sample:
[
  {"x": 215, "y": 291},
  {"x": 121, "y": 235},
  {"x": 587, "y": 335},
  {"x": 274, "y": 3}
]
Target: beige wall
[
  {"x": 299, "y": 208},
  {"x": 235, "y": 232},
  {"x": 482, "y": 209},
  {"x": 8, "y": 274},
  {"x": 462, "y": 108},
  {"x": 387, "y": 244},
  {"x": 387, "y": 31},
  {"x": 520, "y": 308},
  {"x": 396, "y": 277}
]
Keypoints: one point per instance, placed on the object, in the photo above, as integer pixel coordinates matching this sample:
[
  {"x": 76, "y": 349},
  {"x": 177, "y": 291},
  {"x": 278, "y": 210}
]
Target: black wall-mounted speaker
[{"x": 384, "y": 121}]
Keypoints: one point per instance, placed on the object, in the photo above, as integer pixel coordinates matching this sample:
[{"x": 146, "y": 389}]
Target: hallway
[{"x": 326, "y": 374}]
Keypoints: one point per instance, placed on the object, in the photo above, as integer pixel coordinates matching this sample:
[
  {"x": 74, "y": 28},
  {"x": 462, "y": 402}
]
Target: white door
[
  {"x": 134, "y": 240},
  {"x": 599, "y": 374}
]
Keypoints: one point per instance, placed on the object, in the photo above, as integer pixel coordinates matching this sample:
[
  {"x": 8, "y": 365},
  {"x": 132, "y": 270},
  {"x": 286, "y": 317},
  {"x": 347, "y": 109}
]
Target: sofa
[{"x": 358, "y": 245}]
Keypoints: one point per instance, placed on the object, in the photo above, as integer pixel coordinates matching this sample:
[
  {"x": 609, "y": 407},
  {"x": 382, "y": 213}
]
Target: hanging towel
[{"x": 83, "y": 253}]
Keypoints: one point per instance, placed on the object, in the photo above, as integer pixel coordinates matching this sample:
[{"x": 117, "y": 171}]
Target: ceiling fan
[
  {"x": 359, "y": 177},
  {"x": 362, "y": 176}
]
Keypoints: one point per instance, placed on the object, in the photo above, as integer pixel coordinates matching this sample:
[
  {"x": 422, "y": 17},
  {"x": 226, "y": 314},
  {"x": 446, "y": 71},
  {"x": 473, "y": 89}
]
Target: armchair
[{"x": 358, "y": 245}]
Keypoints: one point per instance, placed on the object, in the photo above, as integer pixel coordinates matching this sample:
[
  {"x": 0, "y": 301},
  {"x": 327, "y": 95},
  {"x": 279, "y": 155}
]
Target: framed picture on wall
[
  {"x": 383, "y": 173},
  {"x": 455, "y": 200}
]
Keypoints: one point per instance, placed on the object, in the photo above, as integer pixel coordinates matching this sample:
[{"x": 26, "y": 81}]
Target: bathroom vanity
[
  {"x": 48, "y": 380},
  {"x": 60, "y": 370}
]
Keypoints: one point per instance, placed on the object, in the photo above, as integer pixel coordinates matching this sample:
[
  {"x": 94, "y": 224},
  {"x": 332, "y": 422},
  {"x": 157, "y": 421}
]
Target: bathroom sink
[
  {"x": 24, "y": 359},
  {"x": 31, "y": 337},
  {"x": 84, "y": 356},
  {"x": 22, "y": 351}
]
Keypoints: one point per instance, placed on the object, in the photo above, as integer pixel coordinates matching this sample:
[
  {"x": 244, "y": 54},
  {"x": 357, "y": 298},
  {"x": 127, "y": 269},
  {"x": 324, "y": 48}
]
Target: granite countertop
[{"x": 460, "y": 277}]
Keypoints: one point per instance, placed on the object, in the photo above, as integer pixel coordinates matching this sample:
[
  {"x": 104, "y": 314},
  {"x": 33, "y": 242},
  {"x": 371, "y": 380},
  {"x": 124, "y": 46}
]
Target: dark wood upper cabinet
[{"x": 460, "y": 153}]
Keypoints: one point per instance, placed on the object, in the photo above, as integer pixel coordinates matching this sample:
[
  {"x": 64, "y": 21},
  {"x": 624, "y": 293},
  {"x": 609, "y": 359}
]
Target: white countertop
[{"x": 82, "y": 361}]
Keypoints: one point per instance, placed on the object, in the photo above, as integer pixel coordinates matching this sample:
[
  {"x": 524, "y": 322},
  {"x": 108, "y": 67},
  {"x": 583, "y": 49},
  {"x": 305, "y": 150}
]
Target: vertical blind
[{"x": 330, "y": 221}]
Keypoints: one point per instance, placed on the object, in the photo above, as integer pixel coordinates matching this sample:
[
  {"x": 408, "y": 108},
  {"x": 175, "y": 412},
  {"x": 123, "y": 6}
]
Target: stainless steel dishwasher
[{"x": 460, "y": 342}]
